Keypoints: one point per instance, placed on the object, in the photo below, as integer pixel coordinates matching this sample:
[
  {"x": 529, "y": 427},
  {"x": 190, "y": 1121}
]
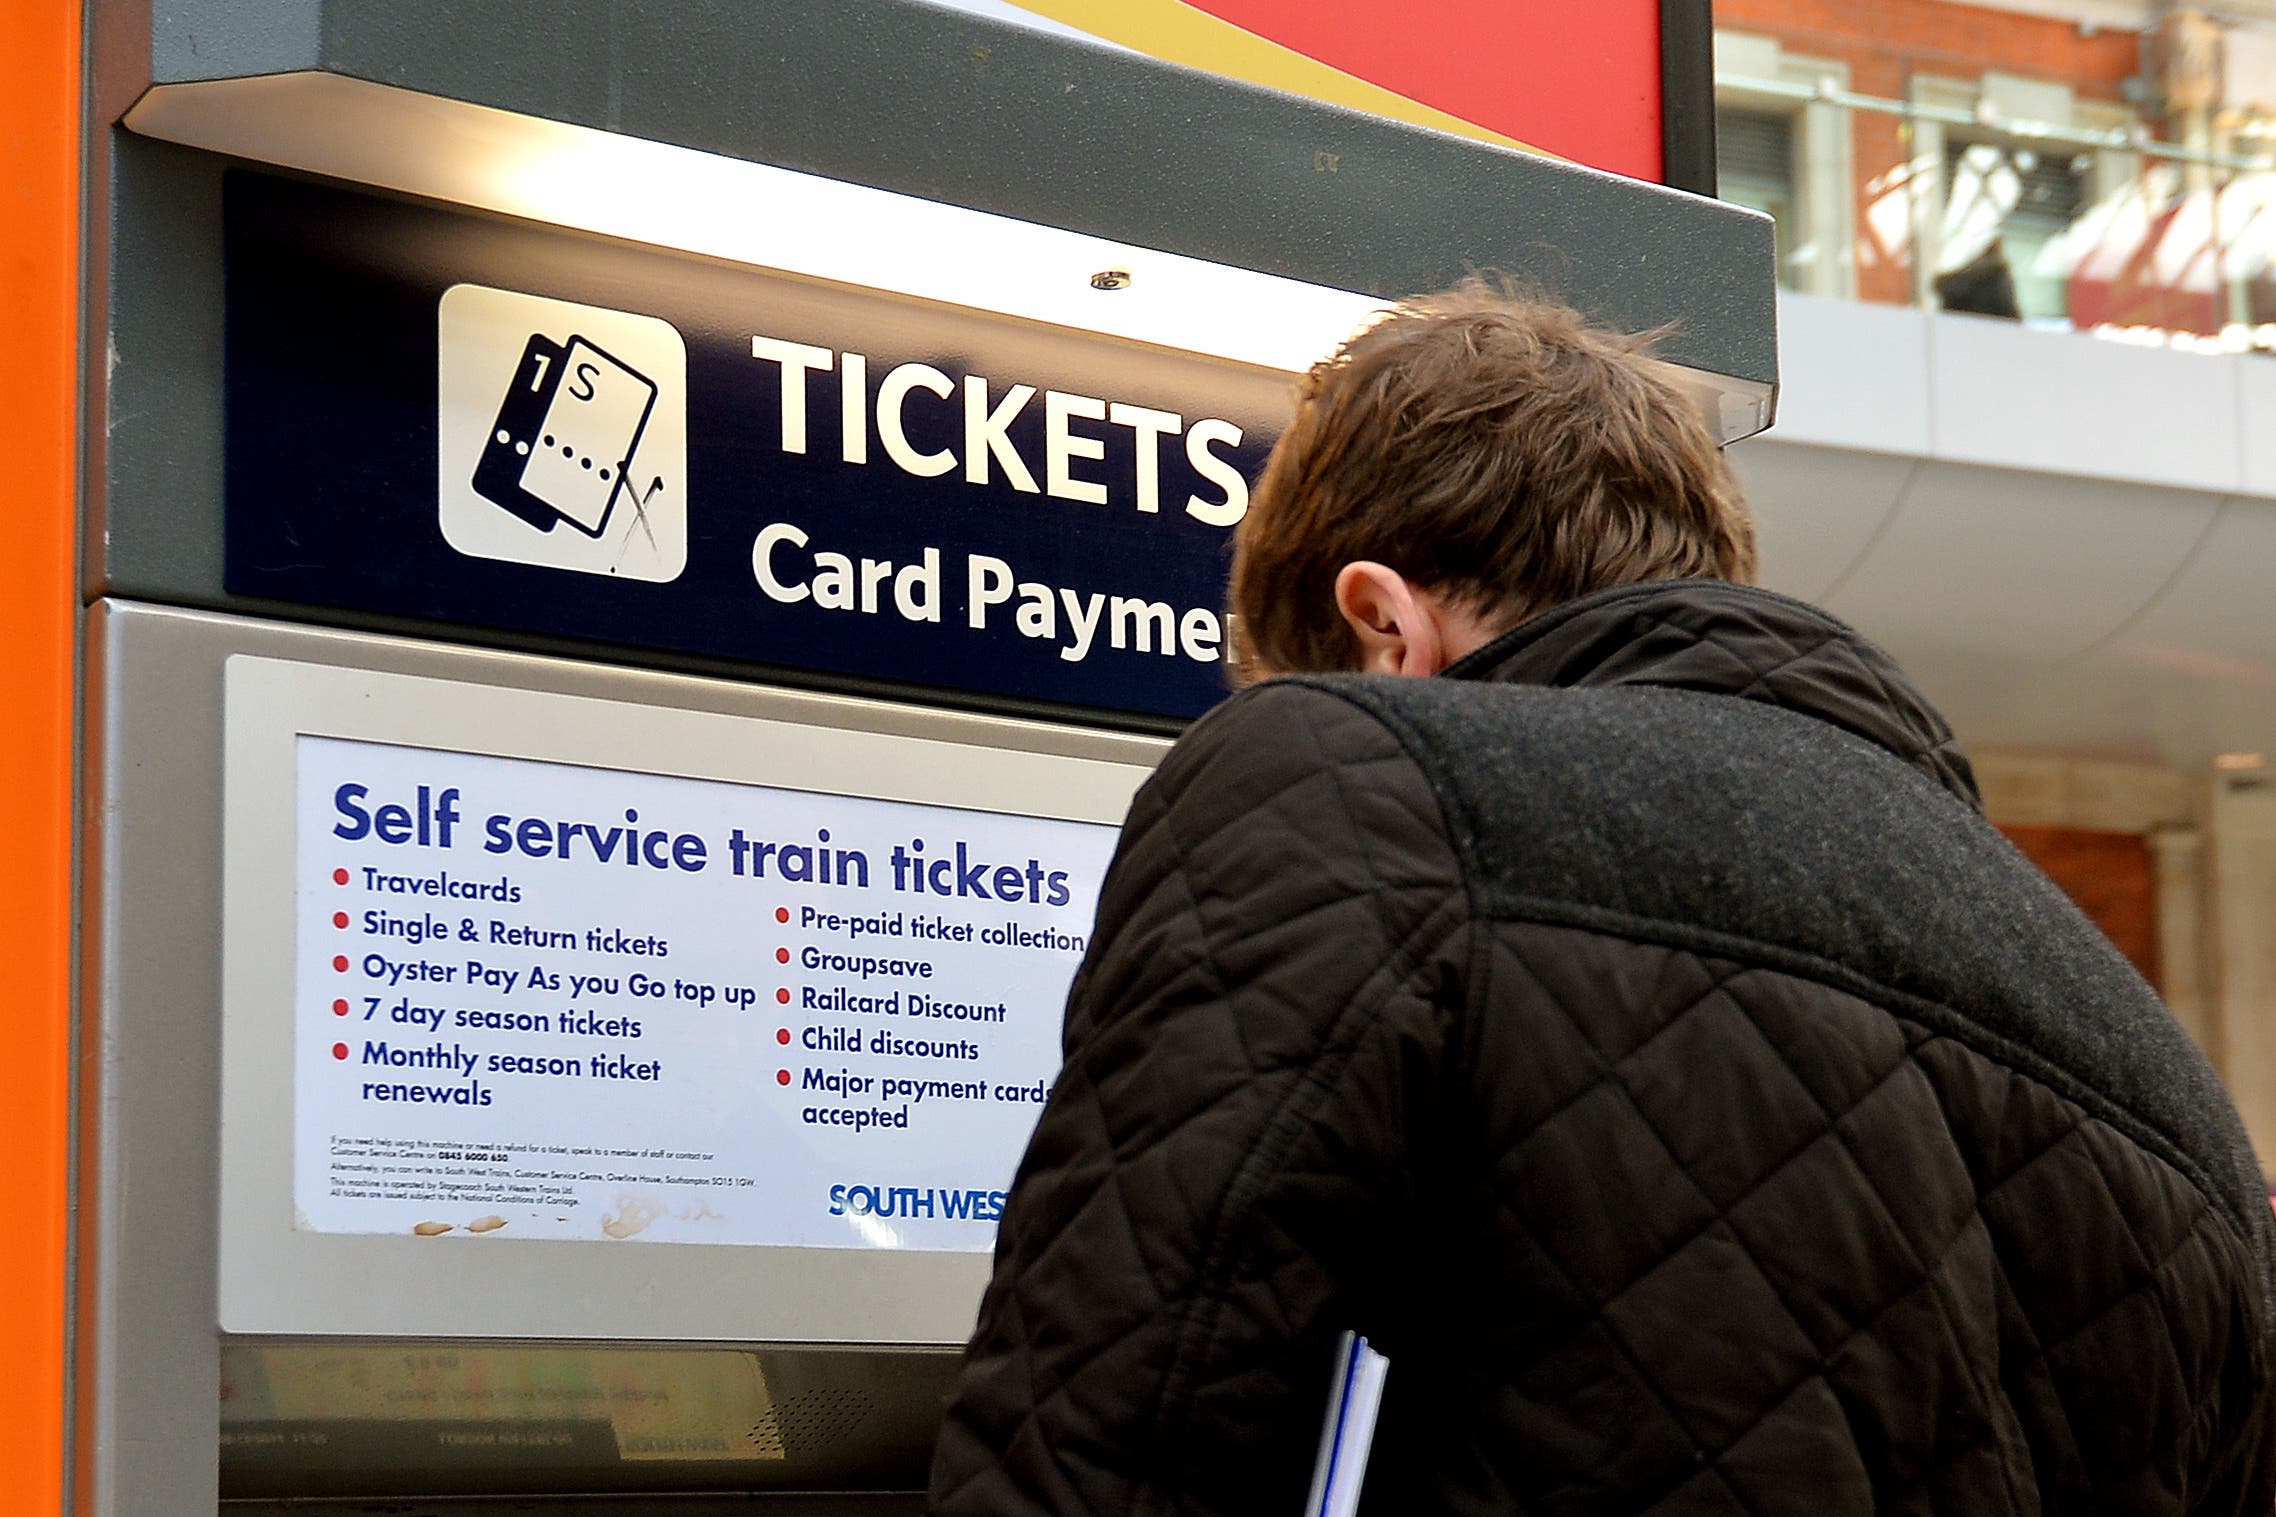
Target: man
[{"x": 1634, "y": 1029}]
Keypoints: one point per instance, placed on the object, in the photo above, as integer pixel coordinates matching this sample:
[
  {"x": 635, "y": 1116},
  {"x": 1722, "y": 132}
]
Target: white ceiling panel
[
  {"x": 2218, "y": 618},
  {"x": 1815, "y": 509},
  {"x": 2083, "y": 562},
  {"x": 2039, "y": 567}
]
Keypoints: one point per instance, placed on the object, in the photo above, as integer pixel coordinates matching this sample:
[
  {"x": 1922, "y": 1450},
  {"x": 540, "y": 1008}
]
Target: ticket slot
[
  {"x": 761, "y": 1504},
  {"x": 448, "y": 1420}
]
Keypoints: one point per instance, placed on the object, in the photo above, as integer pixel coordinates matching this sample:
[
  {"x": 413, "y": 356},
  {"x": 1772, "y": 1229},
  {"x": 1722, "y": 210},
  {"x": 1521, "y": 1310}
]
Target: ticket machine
[{"x": 635, "y": 557}]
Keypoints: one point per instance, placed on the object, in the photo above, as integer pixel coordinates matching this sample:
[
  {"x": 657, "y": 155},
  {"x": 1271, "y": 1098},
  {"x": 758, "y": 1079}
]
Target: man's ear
[{"x": 1394, "y": 622}]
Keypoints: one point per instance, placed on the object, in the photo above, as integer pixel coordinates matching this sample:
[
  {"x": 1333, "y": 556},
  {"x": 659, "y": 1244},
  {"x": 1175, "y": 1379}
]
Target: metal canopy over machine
[{"x": 494, "y": 393}]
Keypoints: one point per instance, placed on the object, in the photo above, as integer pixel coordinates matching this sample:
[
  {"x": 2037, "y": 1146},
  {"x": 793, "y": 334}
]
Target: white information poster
[{"x": 541, "y": 1000}]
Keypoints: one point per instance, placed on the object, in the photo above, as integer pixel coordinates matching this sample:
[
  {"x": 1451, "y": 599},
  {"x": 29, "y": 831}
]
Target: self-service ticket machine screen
[{"x": 571, "y": 1043}]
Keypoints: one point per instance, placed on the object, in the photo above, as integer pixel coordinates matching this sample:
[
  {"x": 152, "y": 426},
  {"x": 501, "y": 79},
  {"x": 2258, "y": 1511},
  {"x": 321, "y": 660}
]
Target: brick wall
[
  {"x": 1886, "y": 42},
  {"x": 2111, "y": 877}
]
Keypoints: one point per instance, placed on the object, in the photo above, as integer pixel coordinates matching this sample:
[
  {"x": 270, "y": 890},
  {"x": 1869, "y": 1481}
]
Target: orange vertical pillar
[{"x": 40, "y": 125}]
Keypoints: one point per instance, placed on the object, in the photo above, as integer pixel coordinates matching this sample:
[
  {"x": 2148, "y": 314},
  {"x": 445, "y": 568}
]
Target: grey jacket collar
[{"x": 1736, "y": 640}]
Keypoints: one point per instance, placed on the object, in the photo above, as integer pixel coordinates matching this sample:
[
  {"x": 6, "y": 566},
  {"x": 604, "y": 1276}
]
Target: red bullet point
[
  {"x": 782, "y": 955},
  {"x": 339, "y": 877},
  {"x": 340, "y": 962},
  {"x": 339, "y": 1008},
  {"x": 782, "y": 913},
  {"x": 781, "y": 1076},
  {"x": 339, "y": 919},
  {"x": 782, "y": 1034},
  {"x": 339, "y": 1050},
  {"x": 783, "y": 996}
]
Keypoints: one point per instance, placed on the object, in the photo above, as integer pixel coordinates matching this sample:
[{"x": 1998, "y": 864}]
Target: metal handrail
[{"x": 2133, "y": 139}]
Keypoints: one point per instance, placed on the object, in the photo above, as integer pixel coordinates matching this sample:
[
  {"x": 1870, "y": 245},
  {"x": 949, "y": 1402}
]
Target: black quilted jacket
[{"x": 1640, "y": 1035}]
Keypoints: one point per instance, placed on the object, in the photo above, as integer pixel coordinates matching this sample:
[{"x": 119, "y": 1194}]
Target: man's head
[{"x": 1463, "y": 463}]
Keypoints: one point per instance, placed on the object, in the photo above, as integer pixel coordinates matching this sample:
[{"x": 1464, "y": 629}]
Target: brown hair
[{"x": 1495, "y": 449}]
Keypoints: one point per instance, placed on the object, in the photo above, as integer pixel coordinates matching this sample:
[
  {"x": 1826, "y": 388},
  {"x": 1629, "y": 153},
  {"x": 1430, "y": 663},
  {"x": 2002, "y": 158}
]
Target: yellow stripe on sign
[{"x": 1179, "y": 33}]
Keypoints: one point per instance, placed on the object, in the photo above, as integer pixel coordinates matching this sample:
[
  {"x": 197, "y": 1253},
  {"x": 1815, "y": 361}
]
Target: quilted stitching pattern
[
  {"x": 1644, "y": 1228},
  {"x": 1836, "y": 1309},
  {"x": 1221, "y": 1067}
]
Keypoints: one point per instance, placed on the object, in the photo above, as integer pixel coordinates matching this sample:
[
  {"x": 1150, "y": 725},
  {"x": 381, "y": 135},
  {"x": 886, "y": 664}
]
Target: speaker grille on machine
[{"x": 811, "y": 1422}]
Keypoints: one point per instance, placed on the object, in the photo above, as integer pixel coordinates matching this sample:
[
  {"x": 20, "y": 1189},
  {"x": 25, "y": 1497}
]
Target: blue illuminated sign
[{"x": 457, "y": 417}]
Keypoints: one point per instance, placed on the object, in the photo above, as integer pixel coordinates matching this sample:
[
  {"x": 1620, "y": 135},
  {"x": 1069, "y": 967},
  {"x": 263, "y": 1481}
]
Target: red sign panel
[
  {"x": 1624, "y": 85},
  {"x": 1578, "y": 78}
]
